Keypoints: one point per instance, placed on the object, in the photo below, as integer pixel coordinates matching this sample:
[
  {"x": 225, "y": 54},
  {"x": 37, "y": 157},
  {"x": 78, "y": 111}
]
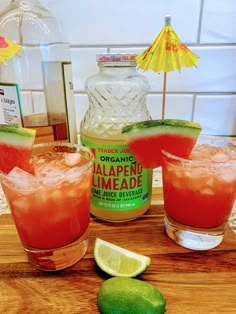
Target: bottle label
[
  {"x": 119, "y": 181},
  {"x": 59, "y": 94},
  {"x": 10, "y": 106}
]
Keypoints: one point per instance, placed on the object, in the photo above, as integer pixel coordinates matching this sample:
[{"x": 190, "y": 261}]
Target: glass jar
[
  {"x": 39, "y": 80},
  {"x": 122, "y": 189}
]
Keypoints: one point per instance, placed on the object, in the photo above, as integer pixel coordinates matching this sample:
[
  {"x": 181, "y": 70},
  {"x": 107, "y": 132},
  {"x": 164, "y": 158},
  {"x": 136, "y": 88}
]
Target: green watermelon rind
[
  {"x": 17, "y": 136},
  {"x": 167, "y": 126}
]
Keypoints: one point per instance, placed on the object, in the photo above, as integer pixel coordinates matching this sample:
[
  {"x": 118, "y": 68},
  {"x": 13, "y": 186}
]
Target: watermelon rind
[
  {"x": 152, "y": 127},
  {"x": 15, "y": 135}
]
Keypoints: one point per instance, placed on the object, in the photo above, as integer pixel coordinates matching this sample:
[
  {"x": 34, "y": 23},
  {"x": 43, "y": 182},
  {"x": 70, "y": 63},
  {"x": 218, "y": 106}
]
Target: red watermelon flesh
[
  {"x": 15, "y": 147},
  {"x": 146, "y": 139}
]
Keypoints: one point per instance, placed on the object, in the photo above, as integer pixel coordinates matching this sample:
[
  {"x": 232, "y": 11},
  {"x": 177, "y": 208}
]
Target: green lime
[
  {"x": 117, "y": 261},
  {"x": 119, "y": 295}
]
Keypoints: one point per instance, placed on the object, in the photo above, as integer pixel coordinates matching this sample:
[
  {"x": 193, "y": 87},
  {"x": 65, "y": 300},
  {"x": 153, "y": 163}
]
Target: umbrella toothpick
[
  {"x": 164, "y": 97},
  {"x": 166, "y": 53}
]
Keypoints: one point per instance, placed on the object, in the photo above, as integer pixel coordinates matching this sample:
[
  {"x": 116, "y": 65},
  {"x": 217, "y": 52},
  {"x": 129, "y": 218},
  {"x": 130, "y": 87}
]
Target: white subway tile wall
[{"x": 206, "y": 94}]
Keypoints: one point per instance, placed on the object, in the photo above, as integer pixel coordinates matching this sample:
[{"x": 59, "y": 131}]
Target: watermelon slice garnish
[
  {"x": 15, "y": 147},
  {"x": 146, "y": 139}
]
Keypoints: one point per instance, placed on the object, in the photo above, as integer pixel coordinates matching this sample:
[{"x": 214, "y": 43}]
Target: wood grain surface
[{"x": 192, "y": 282}]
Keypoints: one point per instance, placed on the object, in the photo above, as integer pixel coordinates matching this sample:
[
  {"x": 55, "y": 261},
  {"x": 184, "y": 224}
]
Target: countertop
[{"x": 191, "y": 281}]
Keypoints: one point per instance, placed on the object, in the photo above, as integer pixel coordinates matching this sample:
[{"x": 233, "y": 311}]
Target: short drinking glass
[
  {"x": 199, "y": 192},
  {"x": 51, "y": 205}
]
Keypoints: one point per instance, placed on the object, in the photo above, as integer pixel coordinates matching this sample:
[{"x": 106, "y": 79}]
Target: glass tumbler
[
  {"x": 51, "y": 205},
  {"x": 199, "y": 192}
]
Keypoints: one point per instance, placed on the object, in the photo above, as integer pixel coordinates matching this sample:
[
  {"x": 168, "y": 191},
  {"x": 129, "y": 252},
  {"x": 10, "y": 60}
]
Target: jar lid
[{"x": 116, "y": 57}]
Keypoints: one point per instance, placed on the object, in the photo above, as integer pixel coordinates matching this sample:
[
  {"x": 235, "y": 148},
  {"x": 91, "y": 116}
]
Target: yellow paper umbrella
[
  {"x": 8, "y": 49},
  {"x": 167, "y": 53}
]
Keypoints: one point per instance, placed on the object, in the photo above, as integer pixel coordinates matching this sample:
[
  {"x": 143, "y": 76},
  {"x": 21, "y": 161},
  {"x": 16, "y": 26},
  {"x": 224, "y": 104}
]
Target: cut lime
[{"x": 117, "y": 261}]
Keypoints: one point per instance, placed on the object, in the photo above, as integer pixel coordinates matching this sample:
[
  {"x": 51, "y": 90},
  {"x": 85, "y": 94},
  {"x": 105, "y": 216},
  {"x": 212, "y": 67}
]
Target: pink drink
[
  {"x": 51, "y": 207},
  {"x": 199, "y": 193}
]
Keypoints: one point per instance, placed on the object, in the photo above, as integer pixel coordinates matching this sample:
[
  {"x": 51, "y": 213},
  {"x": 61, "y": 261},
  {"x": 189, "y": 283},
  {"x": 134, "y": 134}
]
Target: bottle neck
[
  {"x": 25, "y": 3},
  {"x": 119, "y": 70},
  {"x": 29, "y": 23},
  {"x": 117, "y": 65}
]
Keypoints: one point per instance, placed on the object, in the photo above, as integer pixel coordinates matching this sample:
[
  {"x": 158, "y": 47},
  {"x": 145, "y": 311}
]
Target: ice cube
[
  {"x": 18, "y": 172},
  {"x": 227, "y": 175},
  {"x": 21, "y": 180},
  {"x": 49, "y": 168},
  {"x": 72, "y": 159},
  {"x": 207, "y": 191},
  {"x": 73, "y": 175},
  {"x": 21, "y": 206},
  {"x": 210, "y": 181},
  {"x": 220, "y": 157},
  {"x": 57, "y": 196},
  {"x": 53, "y": 179}
]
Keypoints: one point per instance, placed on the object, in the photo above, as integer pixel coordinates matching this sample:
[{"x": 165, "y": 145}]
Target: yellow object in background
[
  {"x": 8, "y": 49},
  {"x": 167, "y": 53}
]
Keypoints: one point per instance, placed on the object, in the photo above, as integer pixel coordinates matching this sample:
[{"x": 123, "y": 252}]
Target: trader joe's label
[{"x": 119, "y": 181}]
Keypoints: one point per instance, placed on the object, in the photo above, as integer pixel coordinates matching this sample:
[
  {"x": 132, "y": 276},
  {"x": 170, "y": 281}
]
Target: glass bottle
[
  {"x": 41, "y": 75},
  {"x": 122, "y": 189}
]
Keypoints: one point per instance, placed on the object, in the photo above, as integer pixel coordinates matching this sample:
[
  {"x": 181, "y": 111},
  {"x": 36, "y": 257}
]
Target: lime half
[{"x": 117, "y": 261}]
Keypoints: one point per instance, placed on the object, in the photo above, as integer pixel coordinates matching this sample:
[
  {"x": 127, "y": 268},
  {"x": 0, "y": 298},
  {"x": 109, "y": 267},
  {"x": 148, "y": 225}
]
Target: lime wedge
[{"x": 117, "y": 261}]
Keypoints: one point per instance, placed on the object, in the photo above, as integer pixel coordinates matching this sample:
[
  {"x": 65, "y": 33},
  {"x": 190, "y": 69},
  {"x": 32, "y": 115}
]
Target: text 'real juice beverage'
[{"x": 121, "y": 188}]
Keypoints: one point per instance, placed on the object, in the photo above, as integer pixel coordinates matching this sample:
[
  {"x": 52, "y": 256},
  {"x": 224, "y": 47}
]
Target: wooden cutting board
[{"x": 192, "y": 282}]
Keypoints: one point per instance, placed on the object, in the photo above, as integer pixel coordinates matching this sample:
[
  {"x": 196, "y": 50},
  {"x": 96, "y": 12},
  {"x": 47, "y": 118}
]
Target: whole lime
[{"x": 121, "y": 295}]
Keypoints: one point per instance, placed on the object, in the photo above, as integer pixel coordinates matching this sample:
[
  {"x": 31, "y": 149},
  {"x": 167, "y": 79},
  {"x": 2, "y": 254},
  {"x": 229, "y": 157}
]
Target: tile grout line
[{"x": 200, "y": 22}]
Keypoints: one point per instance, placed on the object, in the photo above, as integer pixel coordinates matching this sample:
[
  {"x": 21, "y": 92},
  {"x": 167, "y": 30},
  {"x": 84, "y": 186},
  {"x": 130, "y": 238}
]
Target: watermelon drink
[
  {"x": 51, "y": 205},
  {"x": 199, "y": 192}
]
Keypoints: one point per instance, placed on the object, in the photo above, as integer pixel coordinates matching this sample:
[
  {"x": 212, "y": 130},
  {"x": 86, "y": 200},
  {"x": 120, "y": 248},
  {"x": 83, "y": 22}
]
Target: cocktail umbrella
[
  {"x": 8, "y": 49},
  {"x": 167, "y": 53}
]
